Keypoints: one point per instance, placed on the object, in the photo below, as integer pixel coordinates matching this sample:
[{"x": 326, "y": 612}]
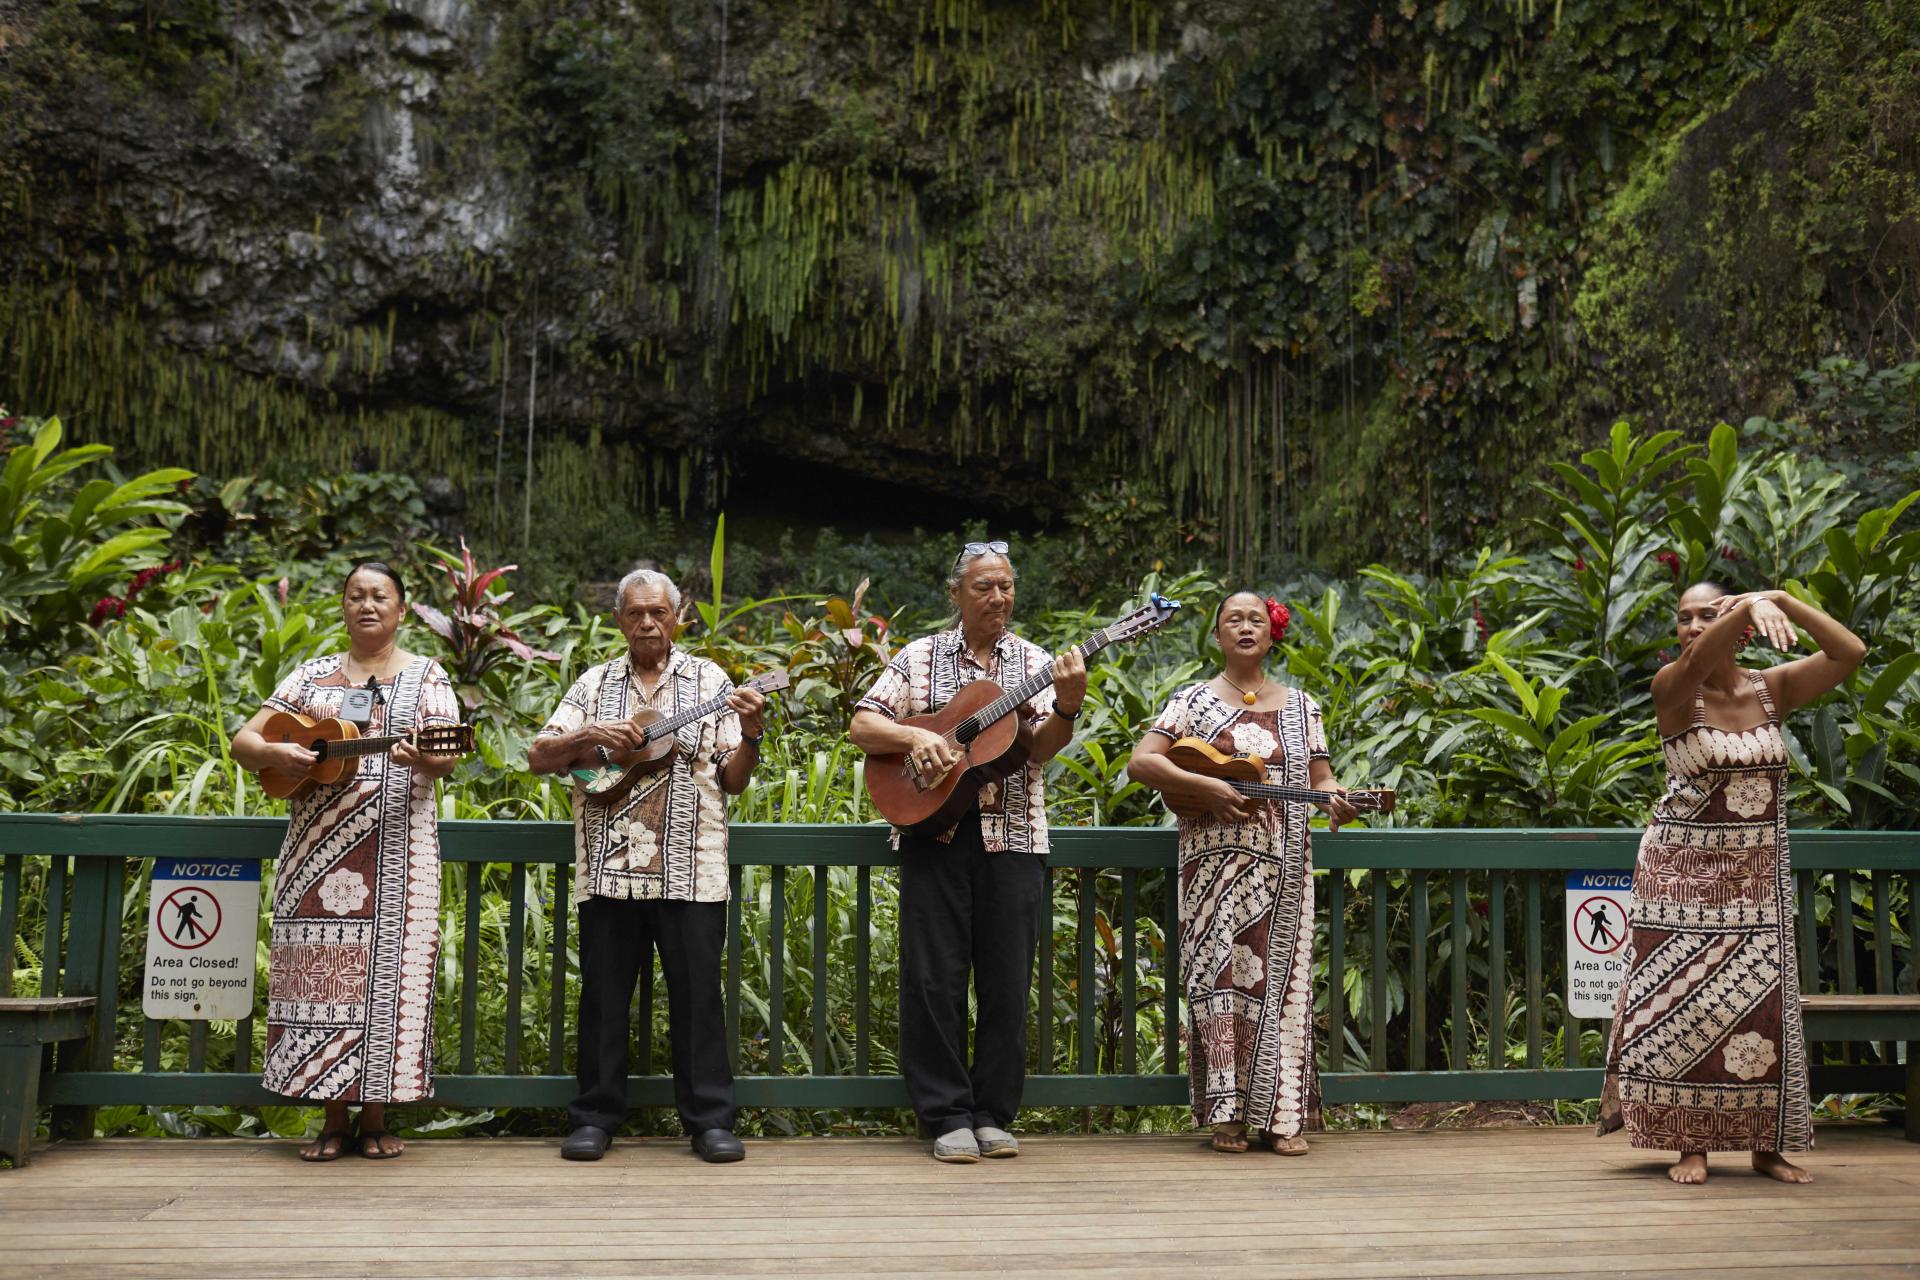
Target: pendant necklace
[{"x": 1248, "y": 696}]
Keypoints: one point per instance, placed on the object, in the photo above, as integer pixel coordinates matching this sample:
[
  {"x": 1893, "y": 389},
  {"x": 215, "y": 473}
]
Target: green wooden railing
[{"x": 1484, "y": 908}]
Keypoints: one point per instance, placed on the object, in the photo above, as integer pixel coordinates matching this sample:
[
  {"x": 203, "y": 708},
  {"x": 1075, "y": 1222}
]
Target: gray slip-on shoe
[
  {"x": 996, "y": 1144},
  {"x": 957, "y": 1147}
]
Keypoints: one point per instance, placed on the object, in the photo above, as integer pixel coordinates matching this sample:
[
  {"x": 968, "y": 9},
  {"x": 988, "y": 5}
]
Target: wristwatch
[
  {"x": 754, "y": 741},
  {"x": 1065, "y": 714}
]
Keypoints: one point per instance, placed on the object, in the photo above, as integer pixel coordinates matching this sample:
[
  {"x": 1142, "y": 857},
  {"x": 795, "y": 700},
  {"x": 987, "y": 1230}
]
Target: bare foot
[
  {"x": 1231, "y": 1138},
  {"x": 1690, "y": 1170},
  {"x": 1775, "y": 1166}
]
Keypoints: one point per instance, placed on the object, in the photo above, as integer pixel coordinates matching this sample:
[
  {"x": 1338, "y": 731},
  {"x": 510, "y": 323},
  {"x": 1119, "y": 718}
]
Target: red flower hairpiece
[{"x": 1277, "y": 619}]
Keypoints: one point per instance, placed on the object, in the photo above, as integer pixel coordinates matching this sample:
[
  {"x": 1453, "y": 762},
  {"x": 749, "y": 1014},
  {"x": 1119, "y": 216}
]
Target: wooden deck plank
[{"x": 1460, "y": 1203}]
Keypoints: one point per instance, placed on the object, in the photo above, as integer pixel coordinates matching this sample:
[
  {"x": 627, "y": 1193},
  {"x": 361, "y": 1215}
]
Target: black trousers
[
  {"x": 964, "y": 910},
  {"x": 614, "y": 937}
]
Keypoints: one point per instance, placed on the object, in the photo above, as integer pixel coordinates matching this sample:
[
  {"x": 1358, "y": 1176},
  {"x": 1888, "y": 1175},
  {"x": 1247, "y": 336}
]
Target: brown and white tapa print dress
[
  {"x": 356, "y": 907},
  {"x": 1246, "y": 923},
  {"x": 1707, "y": 1052}
]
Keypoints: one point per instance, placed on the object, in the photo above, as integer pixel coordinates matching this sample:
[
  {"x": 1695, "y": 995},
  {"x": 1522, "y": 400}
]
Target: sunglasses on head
[{"x": 979, "y": 549}]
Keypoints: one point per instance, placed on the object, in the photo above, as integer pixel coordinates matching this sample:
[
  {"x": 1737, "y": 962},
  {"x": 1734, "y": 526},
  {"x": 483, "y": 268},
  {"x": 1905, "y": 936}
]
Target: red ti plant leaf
[
  {"x": 436, "y": 621},
  {"x": 487, "y": 579}
]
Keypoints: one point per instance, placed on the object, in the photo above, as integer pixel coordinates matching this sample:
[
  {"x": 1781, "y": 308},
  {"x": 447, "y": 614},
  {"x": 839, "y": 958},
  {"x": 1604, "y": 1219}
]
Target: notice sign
[
  {"x": 1597, "y": 904},
  {"x": 202, "y": 915}
]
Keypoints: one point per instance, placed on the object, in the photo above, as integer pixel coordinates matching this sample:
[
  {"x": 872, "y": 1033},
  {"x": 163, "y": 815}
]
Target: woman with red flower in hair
[{"x": 1246, "y": 887}]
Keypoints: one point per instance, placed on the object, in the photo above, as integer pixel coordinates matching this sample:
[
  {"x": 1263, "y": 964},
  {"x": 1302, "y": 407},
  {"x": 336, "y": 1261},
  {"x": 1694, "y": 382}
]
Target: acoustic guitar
[
  {"x": 339, "y": 746},
  {"x": 1248, "y": 776},
  {"x": 993, "y": 740},
  {"x": 618, "y": 772}
]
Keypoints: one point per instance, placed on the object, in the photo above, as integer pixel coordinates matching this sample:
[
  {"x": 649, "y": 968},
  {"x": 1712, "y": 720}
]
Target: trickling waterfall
[{"x": 717, "y": 274}]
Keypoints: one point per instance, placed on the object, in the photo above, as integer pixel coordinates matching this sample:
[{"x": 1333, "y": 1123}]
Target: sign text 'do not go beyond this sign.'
[{"x": 202, "y": 921}]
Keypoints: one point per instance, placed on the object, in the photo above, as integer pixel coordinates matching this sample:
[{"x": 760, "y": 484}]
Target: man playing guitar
[{"x": 989, "y": 868}]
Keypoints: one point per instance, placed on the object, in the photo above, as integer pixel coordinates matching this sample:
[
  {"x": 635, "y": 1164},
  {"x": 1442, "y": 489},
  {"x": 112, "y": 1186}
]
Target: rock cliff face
[
  {"x": 392, "y": 206},
  {"x": 1307, "y": 268}
]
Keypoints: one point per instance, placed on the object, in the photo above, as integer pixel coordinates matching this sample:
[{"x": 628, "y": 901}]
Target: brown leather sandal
[{"x": 1228, "y": 1141}]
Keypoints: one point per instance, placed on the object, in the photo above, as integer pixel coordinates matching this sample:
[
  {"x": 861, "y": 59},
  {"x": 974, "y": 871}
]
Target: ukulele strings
[{"x": 660, "y": 728}]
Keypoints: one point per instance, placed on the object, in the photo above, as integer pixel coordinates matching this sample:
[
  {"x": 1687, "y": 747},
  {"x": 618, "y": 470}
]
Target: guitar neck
[{"x": 1026, "y": 689}]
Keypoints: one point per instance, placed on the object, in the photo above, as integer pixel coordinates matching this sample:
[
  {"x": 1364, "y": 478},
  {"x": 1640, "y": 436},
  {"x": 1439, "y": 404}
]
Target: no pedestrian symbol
[
  {"x": 1598, "y": 907},
  {"x": 1602, "y": 930},
  {"x": 202, "y": 914},
  {"x": 184, "y": 920}
]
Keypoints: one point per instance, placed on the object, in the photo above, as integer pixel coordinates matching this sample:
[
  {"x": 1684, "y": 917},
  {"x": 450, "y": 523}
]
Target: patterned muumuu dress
[
  {"x": 1707, "y": 1052},
  {"x": 1246, "y": 924},
  {"x": 356, "y": 903}
]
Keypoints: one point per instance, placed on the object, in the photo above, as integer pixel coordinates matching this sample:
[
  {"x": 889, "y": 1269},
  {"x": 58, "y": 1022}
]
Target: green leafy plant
[{"x": 61, "y": 546}]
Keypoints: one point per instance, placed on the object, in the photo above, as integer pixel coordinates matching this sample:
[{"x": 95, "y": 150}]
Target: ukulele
[
  {"x": 993, "y": 740},
  {"x": 1249, "y": 777},
  {"x": 608, "y": 782},
  {"x": 339, "y": 746}
]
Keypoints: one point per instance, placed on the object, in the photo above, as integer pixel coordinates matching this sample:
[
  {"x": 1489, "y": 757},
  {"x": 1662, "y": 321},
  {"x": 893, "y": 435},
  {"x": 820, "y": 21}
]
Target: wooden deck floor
[{"x": 1478, "y": 1203}]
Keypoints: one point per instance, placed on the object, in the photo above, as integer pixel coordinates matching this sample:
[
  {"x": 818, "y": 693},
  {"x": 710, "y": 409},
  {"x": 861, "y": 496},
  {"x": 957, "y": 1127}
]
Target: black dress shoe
[
  {"x": 585, "y": 1143},
  {"x": 718, "y": 1146}
]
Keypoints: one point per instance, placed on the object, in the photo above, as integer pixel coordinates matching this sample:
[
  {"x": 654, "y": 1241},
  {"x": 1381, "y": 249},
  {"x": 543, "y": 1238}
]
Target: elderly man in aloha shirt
[
  {"x": 971, "y": 900},
  {"x": 652, "y": 869}
]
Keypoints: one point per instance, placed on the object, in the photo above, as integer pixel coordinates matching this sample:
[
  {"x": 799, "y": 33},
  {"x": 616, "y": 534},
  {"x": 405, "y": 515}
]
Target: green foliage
[
  {"x": 1761, "y": 238},
  {"x": 834, "y": 658},
  {"x": 62, "y": 543},
  {"x": 1506, "y": 691}
]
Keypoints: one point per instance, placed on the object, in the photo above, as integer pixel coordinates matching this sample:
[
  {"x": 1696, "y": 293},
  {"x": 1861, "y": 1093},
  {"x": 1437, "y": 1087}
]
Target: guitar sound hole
[{"x": 967, "y": 731}]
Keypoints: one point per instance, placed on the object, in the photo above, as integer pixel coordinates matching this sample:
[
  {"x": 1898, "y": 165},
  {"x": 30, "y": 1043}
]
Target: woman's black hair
[
  {"x": 1704, "y": 582},
  {"x": 379, "y": 567}
]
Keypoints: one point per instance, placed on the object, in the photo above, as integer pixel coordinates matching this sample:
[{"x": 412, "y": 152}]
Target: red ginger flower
[
  {"x": 1278, "y": 619},
  {"x": 1670, "y": 560}
]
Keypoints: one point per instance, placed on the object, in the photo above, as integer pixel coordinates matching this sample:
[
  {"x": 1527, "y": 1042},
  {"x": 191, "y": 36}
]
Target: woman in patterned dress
[
  {"x": 356, "y": 895},
  {"x": 1246, "y": 888},
  {"x": 1707, "y": 1052}
]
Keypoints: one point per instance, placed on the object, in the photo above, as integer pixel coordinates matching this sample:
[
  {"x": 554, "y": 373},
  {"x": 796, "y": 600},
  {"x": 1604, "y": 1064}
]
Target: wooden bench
[
  {"x": 1831, "y": 1017},
  {"x": 27, "y": 1026}
]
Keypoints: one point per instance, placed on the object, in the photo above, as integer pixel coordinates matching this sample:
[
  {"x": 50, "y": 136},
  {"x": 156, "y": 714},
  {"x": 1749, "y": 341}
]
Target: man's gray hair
[
  {"x": 646, "y": 578},
  {"x": 967, "y": 557}
]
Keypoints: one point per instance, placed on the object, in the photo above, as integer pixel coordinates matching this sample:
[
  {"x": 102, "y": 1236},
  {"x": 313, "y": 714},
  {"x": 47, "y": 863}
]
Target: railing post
[
  {"x": 1417, "y": 975},
  {"x": 1377, "y": 887},
  {"x": 10, "y": 865},
  {"x": 92, "y": 969},
  {"x": 1336, "y": 971},
  {"x": 821, "y": 883}
]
